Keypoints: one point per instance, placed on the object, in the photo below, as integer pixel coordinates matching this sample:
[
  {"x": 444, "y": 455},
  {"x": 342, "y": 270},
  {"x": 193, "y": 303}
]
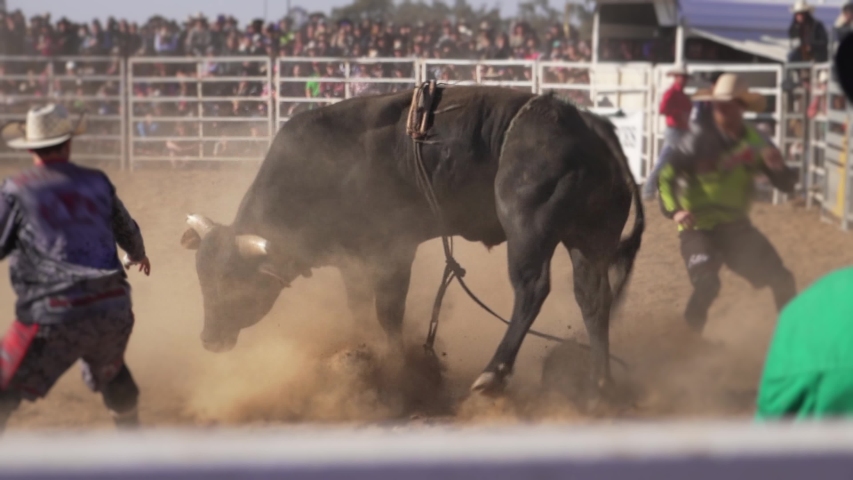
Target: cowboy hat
[
  {"x": 802, "y": 6},
  {"x": 730, "y": 87},
  {"x": 678, "y": 70},
  {"x": 46, "y": 126}
]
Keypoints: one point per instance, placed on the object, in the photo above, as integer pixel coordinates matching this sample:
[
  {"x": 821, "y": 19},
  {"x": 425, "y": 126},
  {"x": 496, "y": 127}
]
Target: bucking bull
[{"x": 338, "y": 187}]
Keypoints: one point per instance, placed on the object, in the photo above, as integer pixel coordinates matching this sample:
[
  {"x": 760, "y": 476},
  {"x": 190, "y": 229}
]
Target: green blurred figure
[{"x": 809, "y": 368}]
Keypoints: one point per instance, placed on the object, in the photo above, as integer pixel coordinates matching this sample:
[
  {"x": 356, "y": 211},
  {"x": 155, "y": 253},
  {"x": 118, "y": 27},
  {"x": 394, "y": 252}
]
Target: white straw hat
[
  {"x": 802, "y": 6},
  {"x": 678, "y": 69},
  {"x": 730, "y": 87},
  {"x": 46, "y": 126}
]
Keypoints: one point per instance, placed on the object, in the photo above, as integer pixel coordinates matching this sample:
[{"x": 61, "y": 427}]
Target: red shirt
[{"x": 676, "y": 106}]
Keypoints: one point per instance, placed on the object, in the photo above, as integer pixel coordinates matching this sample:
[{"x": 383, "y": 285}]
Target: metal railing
[
  {"x": 191, "y": 109},
  {"x": 94, "y": 84},
  {"x": 520, "y": 74},
  {"x": 300, "y": 87},
  {"x": 814, "y": 179},
  {"x": 167, "y": 109},
  {"x": 828, "y": 164}
]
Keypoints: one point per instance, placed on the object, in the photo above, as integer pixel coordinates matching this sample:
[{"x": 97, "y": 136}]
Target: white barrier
[
  {"x": 630, "y": 130},
  {"x": 731, "y": 451}
]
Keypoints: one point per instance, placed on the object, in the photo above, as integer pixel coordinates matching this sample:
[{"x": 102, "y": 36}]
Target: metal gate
[
  {"x": 213, "y": 109},
  {"x": 94, "y": 84}
]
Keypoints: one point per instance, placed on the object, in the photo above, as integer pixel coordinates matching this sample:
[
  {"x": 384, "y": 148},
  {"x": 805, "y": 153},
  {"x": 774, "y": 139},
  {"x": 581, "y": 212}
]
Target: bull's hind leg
[
  {"x": 595, "y": 299},
  {"x": 530, "y": 251}
]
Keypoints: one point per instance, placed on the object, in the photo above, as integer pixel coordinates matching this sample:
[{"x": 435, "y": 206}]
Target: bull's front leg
[
  {"x": 392, "y": 275},
  {"x": 359, "y": 289}
]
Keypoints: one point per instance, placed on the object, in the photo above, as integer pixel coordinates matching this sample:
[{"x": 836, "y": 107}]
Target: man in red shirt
[{"x": 676, "y": 107}]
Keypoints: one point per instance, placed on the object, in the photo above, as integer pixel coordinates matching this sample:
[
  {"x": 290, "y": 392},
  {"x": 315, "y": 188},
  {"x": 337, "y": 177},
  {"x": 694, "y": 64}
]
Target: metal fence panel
[
  {"x": 519, "y": 74},
  {"x": 168, "y": 109},
  {"x": 829, "y": 159},
  {"x": 814, "y": 177},
  {"x": 94, "y": 84},
  {"x": 305, "y": 83},
  {"x": 200, "y": 109}
]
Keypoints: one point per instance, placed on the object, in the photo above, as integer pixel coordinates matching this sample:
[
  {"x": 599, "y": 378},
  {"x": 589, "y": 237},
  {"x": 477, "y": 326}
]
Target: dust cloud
[{"x": 308, "y": 361}]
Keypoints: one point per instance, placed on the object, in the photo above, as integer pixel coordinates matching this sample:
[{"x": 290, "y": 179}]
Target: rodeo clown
[
  {"x": 59, "y": 223},
  {"x": 707, "y": 186}
]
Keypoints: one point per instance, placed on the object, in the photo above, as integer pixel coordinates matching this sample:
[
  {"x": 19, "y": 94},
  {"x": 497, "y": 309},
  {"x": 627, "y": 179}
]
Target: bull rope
[{"x": 416, "y": 128}]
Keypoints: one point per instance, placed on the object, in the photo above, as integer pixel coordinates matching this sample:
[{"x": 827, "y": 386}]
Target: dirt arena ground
[{"x": 278, "y": 372}]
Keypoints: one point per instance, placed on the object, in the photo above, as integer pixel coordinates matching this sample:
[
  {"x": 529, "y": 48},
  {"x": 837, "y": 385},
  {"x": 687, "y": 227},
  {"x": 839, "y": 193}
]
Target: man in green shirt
[
  {"x": 809, "y": 368},
  {"x": 707, "y": 187}
]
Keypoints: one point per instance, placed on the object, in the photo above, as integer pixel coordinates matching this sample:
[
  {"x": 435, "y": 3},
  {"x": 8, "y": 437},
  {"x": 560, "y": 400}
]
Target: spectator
[
  {"x": 88, "y": 41},
  {"x": 808, "y": 35},
  {"x": 67, "y": 42},
  {"x": 844, "y": 22},
  {"x": 199, "y": 38},
  {"x": 676, "y": 107},
  {"x": 165, "y": 41}
]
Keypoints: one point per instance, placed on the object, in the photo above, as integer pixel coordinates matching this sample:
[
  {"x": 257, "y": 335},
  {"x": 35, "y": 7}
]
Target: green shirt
[
  {"x": 808, "y": 371},
  {"x": 313, "y": 86},
  {"x": 712, "y": 176}
]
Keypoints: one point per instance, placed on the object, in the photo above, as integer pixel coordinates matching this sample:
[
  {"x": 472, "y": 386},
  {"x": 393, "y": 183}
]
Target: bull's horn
[
  {"x": 251, "y": 246},
  {"x": 201, "y": 224}
]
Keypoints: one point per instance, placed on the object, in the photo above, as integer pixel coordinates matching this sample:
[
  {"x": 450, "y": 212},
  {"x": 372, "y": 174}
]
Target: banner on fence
[{"x": 629, "y": 129}]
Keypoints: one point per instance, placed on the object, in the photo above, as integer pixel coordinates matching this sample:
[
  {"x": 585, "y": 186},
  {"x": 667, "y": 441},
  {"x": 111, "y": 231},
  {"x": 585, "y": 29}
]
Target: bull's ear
[{"x": 190, "y": 239}]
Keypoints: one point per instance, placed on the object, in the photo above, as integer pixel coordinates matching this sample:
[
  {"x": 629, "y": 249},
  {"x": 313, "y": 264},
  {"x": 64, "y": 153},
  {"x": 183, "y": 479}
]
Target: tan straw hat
[
  {"x": 730, "y": 87},
  {"x": 802, "y": 6},
  {"x": 46, "y": 126}
]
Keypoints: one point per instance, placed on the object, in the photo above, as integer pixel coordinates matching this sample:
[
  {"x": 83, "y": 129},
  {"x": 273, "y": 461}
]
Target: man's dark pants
[
  {"x": 33, "y": 357},
  {"x": 742, "y": 248}
]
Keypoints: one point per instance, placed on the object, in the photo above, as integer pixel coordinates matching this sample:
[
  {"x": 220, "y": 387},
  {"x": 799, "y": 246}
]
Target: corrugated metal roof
[{"x": 751, "y": 19}]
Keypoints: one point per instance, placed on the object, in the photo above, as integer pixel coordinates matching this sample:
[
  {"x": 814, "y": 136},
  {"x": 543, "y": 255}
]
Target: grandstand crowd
[
  {"x": 220, "y": 43},
  {"x": 318, "y": 37}
]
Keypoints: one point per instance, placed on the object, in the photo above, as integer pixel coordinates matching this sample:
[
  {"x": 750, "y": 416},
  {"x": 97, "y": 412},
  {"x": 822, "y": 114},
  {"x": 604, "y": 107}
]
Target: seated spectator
[{"x": 808, "y": 35}]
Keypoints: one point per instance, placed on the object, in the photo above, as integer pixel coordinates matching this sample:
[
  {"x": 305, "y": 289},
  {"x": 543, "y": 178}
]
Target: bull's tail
[{"x": 628, "y": 247}]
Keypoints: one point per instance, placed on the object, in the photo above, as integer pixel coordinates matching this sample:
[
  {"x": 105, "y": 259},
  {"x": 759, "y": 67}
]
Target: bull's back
[{"x": 353, "y": 161}]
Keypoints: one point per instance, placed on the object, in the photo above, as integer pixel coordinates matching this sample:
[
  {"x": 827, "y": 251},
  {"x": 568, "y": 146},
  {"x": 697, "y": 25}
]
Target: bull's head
[{"x": 239, "y": 279}]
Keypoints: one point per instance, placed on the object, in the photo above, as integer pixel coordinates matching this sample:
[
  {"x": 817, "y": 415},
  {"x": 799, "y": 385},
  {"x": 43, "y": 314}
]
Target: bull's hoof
[{"x": 489, "y": 383}]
